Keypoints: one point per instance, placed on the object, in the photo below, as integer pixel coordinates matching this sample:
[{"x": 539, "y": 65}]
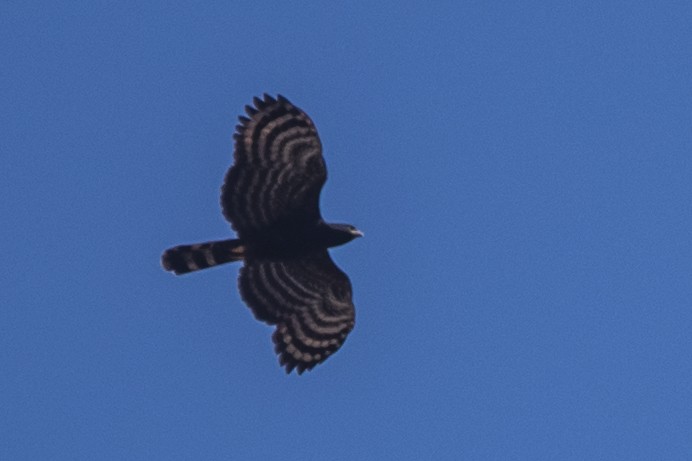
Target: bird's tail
[{"x": 188, "y": 258}]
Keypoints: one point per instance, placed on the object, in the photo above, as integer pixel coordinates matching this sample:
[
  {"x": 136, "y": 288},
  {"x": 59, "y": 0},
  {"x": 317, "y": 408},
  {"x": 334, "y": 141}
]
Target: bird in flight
[{"x": 270, "y": 195}]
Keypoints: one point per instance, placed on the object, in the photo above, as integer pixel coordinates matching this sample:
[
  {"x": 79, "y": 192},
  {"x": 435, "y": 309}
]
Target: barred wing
[
  {"x": 309, "y": 301},
  {"x": 278, "y": 171}
]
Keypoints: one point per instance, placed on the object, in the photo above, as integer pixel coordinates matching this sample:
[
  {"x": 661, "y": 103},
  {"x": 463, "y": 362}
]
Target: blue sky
[{"x": 522, "y": 171}]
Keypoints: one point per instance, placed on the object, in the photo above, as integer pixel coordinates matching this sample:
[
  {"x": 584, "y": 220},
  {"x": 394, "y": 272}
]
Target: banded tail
[{"x": 188, "y": 258}]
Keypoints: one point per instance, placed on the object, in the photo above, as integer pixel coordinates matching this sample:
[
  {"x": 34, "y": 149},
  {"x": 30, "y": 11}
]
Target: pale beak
[{"x": 357, "y": 233}]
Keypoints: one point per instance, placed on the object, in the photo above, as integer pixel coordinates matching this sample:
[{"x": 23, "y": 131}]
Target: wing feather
[
  {"x": 309, "y": 300},
  {"x": 278, "y": 169}
]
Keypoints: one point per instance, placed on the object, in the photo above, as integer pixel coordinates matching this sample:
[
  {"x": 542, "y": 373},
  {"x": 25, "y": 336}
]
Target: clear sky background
[{"x": 522, "y": 172}]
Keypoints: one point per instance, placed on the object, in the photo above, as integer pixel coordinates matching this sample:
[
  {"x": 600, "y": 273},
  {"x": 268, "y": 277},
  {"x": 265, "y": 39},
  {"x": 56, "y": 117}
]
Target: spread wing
[
  {"x": 278, "y": 171},
  {"x": 309, "y": 301}
]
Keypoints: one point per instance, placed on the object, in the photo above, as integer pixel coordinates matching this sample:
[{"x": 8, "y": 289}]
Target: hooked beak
[{"x": 357, "y": 233}]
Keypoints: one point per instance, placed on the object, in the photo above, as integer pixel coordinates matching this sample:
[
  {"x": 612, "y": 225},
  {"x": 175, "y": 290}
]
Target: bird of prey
[{"x": 270, "y": 196}]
